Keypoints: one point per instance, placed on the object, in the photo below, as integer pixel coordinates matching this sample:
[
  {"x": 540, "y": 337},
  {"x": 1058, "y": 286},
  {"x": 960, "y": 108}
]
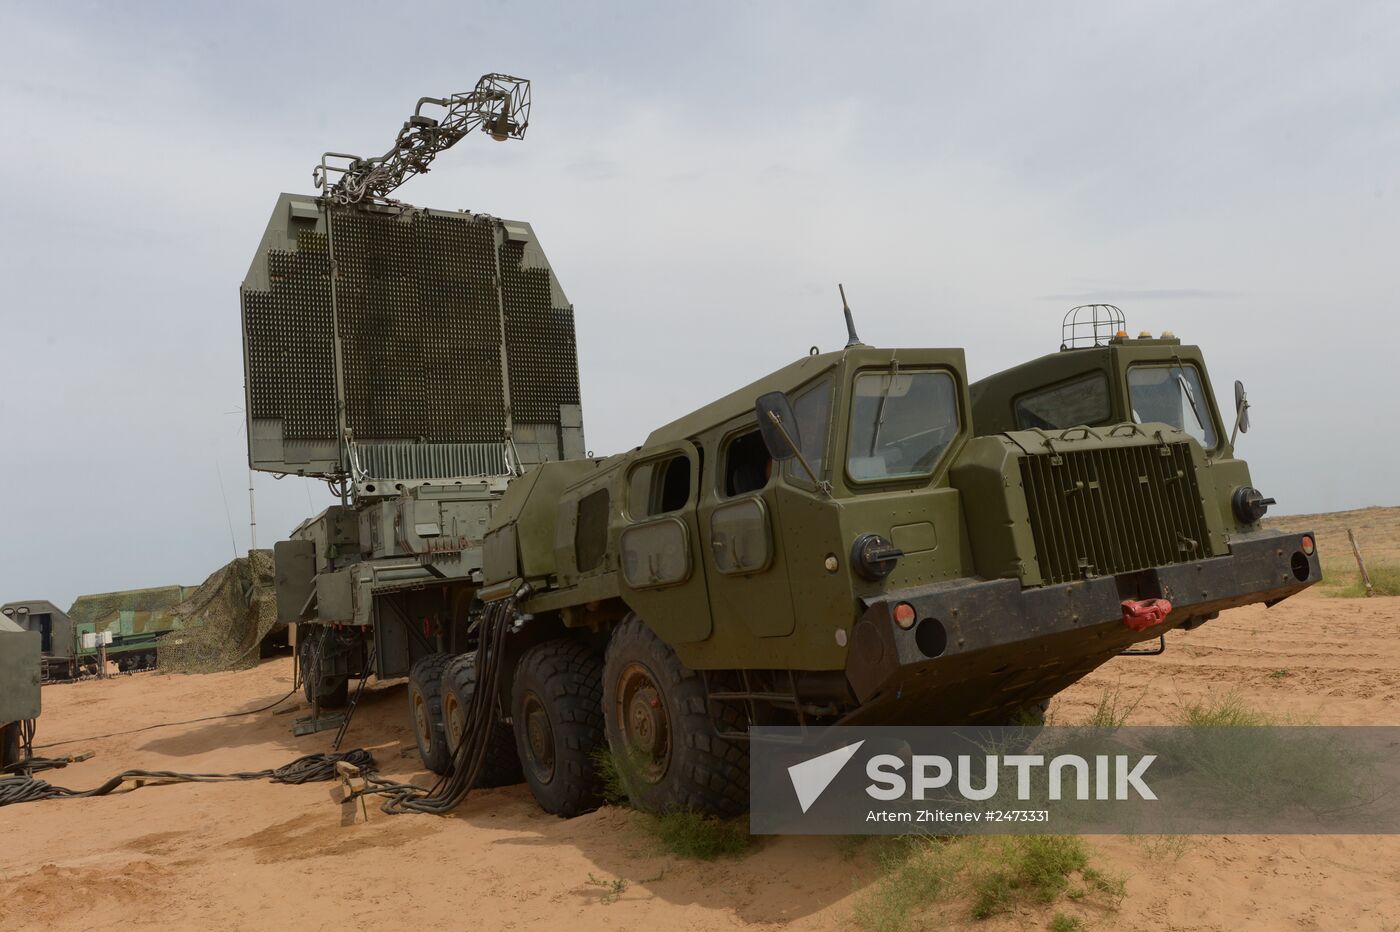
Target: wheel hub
[
  {"x": 539, "y": 737},
  {"x": 452, "y": 717},
  {"x": 422, "y": 721},
  {"x": 646, "y": 726}
]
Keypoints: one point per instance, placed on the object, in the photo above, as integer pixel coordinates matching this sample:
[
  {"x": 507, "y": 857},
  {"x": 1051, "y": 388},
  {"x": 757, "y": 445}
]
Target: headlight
[
  {"x": 1250, "y": 504},
  {"x": 874, "y": 557}
]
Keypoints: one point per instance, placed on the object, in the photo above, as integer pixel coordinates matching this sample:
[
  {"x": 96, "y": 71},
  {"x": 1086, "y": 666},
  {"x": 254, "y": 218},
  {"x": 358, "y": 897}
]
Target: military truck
[
  {"x": 19, "y": 686},
  {"x": 58, "y": 645},
  {"x": 136, "y": 619},
  {"x": 849, "y": 539},
  {"x": 854, "y": 539}
]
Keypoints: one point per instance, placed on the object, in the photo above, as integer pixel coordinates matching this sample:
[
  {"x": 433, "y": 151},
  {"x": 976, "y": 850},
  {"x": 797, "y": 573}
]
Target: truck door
[
  {"x": 45, "y": 632},
  {"x": 662, "y": 576},
  {"x": 739, "y": 522}
]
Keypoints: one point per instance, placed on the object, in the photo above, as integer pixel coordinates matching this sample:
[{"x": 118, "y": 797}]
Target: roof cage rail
[{"x": 1091, "y": 325}]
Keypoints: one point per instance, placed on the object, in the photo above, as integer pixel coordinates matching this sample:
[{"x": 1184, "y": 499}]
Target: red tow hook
[{"x": 1141, "y": 614}]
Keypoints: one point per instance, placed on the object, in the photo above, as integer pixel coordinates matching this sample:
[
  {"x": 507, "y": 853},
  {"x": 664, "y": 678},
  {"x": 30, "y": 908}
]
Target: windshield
[
  {"x": 1082, "y": 400},
  {"x": 900, "y": 423},
  {"x": 1172, "y": 395},
  {"x": 812, "y": 409}
]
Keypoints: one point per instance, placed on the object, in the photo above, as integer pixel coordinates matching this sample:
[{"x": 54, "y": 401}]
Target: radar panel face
[{"x": 419, "y": 314}]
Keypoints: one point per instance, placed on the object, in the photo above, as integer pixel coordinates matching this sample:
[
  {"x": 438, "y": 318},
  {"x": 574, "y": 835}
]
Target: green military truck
[
  {"x": 860, "y": 537},
  {"x": 19, "y": 687},
  {"x": 863, "y": 537},
  {"x": 136, "y": 621}
]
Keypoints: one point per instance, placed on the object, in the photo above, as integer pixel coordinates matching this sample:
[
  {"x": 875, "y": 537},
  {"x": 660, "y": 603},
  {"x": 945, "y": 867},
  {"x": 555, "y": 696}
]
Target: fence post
[{"x": 1365, "y": 577}]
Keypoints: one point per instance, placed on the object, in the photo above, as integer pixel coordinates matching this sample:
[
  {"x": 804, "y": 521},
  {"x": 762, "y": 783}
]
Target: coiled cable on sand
[{"x": 312, "y": 768}]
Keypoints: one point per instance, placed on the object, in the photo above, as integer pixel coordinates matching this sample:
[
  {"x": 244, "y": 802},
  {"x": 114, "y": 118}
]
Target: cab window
[
  {"x": 659, "y": 486},
  {"x": 812, "y": 409},
  {"x": 1082, "y": 400},
  {"x": 747, "y": 464},
  {"x": 1172, "y": 394},
  {"x": 901, "y": 422}
]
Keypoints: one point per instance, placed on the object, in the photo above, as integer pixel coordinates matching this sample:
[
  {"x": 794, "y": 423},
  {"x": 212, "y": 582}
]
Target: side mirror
[
  {"x": 1241, "y": 408},
  {"x": 778, "y": 425}
]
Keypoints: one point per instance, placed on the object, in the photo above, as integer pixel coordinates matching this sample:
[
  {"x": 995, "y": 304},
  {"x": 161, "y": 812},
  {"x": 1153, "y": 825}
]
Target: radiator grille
[{"x": 1102, "y": 512}]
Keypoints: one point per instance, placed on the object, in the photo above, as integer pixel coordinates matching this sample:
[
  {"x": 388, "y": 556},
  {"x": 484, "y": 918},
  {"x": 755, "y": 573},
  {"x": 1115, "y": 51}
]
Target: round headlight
[
  {"x": 1250, "y": 504},
  {"x": 874, "y": 557}
]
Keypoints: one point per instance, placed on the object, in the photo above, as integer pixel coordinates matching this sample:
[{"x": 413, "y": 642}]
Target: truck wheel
[
  {"x": 556, "y": 709},
  {"x": 425, "y": 706},
  {"x": 9, "y": 744},
  {"x": 311, "y": 680},
  {"x": 501, "y": 765},
  {"x": 662, "y": 736}
]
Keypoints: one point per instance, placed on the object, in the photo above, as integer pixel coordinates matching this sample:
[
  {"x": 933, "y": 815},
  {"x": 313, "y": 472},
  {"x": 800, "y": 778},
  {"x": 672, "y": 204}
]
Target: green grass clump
[
  {"x": 1065, "y": 923},
  {"x": 996, "y": 874},
  {"x": 614, "y": 786},
  {"x": 1385, "y": 580},
  {"x": 918, "y": 872},
  {"x": 1036, "y": 867},
  {"x": 1227, "y": 711},
  {"x": 1113, "y": 710},
  {"x": 691, "y": 835},
  {"x": 683, "y": 833}
]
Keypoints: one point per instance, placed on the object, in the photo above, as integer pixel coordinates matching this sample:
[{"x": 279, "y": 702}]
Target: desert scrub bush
[
  {"x": 916, "y": 872},
  {"x": 1035, "y": 867},
  {"x": 1227, "y": 711},
  {"x": 681, "y": 832},
  {"x": 996, "y": 874},
  {"x": 614, "y": 788},
  {"x": 692, "y": 835},
  {"x": 1170, "y": 848},
  {"x": 1112, "y": 710}
]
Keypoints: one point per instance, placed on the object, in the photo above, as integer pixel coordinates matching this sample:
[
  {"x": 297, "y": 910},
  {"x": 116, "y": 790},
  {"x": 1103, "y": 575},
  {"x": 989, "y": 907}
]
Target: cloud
[
  {"x": 700, "y": 184},
  {"x": 1111, "y": 295}
]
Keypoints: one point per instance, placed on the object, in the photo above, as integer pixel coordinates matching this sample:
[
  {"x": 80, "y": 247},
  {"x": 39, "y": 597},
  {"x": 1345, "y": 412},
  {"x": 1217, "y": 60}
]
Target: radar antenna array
[{"x": 499, "y": 105}]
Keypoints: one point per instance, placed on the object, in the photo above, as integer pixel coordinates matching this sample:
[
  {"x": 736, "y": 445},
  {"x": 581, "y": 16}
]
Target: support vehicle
[{"x": 846, "y": 541}]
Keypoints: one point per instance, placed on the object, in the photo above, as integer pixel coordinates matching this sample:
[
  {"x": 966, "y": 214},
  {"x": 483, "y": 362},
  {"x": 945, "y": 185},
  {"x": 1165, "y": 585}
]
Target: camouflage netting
[{"x": 224, "y": 620}]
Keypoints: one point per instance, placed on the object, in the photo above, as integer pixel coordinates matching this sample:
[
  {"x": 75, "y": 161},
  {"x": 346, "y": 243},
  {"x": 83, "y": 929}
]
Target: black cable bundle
[
  {"x": 480, "y": 716},
  {"x": 443, "y": 797},
  {"x": 308, "y": 769}
]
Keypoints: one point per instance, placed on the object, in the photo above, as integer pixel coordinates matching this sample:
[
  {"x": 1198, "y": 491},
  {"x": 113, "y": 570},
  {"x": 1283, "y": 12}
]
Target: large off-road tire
[
  {"x": 663, "y": 739},
  {"x": 425, "y": 711},
  {"x": 9, "y": 744},
  {"x": 501, "y": 765},
  {"x": 334, "y": 697},
  {"x": 557, "y": 713}
]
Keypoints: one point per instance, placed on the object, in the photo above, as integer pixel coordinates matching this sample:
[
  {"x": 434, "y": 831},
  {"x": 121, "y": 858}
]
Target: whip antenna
[{"x": 851, "y": 338}]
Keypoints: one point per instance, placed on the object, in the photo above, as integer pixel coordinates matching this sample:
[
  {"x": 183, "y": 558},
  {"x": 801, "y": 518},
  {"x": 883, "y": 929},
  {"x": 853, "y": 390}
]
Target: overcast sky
[{"x": 700, "y": 176}]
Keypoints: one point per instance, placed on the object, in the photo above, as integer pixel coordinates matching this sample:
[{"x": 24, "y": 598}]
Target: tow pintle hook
[{"x": 1141, "y": 614}]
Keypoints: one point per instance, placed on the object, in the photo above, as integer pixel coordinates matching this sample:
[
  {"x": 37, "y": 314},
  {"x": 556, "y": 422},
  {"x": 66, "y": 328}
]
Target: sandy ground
[{"x": 258, "y": 855}]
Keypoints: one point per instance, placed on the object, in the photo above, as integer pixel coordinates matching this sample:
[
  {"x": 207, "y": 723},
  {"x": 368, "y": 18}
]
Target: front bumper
[{"x": 979, "y": 651}]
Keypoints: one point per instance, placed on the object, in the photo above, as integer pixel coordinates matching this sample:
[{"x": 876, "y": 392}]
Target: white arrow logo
[{"x": 811, "y": 777}]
